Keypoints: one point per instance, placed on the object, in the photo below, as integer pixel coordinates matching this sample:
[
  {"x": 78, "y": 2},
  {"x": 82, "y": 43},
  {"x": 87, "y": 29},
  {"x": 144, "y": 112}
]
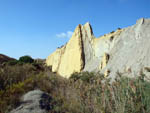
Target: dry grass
[{"x": 82, "y": 93}]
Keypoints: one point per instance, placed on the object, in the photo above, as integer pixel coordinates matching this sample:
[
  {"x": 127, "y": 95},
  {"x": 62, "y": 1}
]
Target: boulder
[{"x": 35, "y": 101}]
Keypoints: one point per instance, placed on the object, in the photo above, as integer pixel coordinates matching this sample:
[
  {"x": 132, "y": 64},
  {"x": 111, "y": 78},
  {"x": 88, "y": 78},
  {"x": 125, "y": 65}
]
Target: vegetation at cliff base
[{"x": 83, "y": 93}]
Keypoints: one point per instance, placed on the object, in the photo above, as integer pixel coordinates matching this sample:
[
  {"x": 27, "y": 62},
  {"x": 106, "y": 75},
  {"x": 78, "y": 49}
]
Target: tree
[{"x": 26, "y": 59}]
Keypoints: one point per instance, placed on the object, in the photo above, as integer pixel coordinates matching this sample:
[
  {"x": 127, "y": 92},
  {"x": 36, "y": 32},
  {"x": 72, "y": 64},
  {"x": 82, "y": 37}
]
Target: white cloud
[{"x": 68, "y": 34}]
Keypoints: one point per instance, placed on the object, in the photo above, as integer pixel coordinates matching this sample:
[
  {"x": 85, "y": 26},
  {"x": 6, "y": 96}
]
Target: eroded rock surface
[
  {"x": 104, "y": 61},
  {"x": 128, "y": 49},
  {"x": 69, "y": 58},
  {"x": 132, "y": 52}
]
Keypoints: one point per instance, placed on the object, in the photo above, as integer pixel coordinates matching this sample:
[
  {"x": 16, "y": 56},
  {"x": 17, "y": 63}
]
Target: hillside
[{"x": 4, "y": 58}]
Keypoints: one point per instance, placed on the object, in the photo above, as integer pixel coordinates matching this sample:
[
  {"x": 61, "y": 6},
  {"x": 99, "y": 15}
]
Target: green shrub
[
  {"x": 112, "y": 32},
  {"x": 119, "y": 28},
  {"x": 26, "y": 59},
  {"x": 12, "y": 62},
  {"x": 84, "y": 76},
  {"x": 75, "y": 76}
]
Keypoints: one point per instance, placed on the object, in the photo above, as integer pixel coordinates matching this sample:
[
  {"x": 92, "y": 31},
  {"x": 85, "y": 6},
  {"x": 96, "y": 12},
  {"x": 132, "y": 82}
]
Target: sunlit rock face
[
  {"x": 83, "y": 52},
  {"x": 132, "y": 52},
  {"x": 115, "y": 51},
  {"x": 69, "y": 58}
]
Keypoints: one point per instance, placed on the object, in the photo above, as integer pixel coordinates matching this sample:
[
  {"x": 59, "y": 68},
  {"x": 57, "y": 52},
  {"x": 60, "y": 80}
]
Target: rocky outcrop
[
  {"x": 115, "y": 51},
  {"x": 83, "y": 52},
  {"x": 34, "y": 102},
  {"x": 69, "y": 58},
  {"x": 132, "y": 52}
]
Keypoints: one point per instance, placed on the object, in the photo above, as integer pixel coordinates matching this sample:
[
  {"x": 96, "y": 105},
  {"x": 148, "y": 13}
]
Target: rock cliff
[
  {"x": 69, "y": 58},
  {"x": 132, "y": 52},
  {"x": 115, "y": 51}
]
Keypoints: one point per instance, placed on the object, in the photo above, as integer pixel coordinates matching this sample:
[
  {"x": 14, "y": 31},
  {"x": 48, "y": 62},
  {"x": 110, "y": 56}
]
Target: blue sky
[{"x": 38, "y": 27}]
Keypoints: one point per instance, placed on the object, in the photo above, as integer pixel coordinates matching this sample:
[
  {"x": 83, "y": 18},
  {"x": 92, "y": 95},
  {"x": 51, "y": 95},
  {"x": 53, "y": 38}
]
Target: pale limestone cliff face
[
  {"x": 101, "y": 45},
  {"x": 55, "y": 58},
  {"x": 70, "y": 58},
  {"x": 128, "y": 50},
  {"x": 83, "y": 52},
  {"x": 131, "y": 53}
]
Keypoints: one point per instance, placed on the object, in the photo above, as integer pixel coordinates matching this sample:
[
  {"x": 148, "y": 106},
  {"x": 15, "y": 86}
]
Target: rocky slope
[{"x": 125, "y": 50}]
